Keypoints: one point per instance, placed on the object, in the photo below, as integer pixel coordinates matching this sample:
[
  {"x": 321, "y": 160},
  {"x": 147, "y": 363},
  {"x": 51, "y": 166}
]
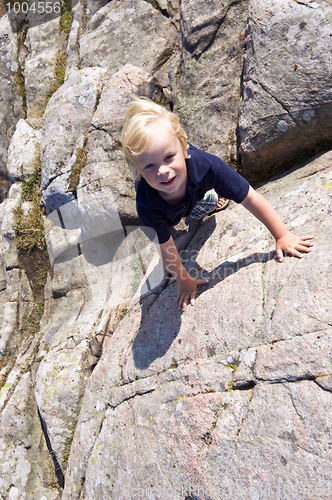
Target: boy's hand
[
  {"x": 187, "y": 292},
  {"x": 293, "y": 245}
]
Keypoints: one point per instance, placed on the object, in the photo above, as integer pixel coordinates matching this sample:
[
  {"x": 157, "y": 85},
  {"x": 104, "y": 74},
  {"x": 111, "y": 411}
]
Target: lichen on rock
[{"x": 106, "y": 389}]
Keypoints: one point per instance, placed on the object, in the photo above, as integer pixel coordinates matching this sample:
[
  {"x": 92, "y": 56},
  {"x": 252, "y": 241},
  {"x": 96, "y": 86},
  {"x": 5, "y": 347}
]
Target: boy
[{"x": 173, "y": 176}]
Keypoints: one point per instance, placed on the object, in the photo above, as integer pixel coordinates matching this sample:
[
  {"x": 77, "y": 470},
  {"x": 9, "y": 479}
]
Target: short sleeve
[
  {"x": 153, "y": 223},
  {"x": 227, "y": 182}
]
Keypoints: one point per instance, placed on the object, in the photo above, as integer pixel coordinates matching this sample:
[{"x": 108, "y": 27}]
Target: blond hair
[{"x": 137, "y": 130}]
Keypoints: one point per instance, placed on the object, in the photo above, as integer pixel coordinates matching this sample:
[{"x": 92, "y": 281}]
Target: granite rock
[
  {"x": 23, "y": 152},
  {"x": 206, "y": 86},
  {"x": 118, "y": 394},
  {"x": 134, "y": 33},
  {"x": 234, "y": 382},
  {"x": 286, "y": 74},
  {"x": 66, "y": 122}
]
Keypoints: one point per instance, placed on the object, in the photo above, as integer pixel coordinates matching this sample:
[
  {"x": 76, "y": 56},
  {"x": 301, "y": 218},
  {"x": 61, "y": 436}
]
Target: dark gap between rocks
[
  {"x": 245, "y": 387},
  {"x": 58, "y": 470}
]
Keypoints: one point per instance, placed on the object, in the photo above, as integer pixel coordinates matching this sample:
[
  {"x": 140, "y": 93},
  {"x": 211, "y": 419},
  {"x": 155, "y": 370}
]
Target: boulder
[
  {"x": 117, "y": 394},
  {"x": 11, "y": 101},
  {"x": 286, "y": 93},
  {"x": 26, "y": 465},
  {"x": 66, "y": 123},
  {"x": 206, "y": 86},
  {"x": 39, "y": 52},
  {"x": 134, "y": 32},
  {"x": 234, "y": 382},
  {"x": 23, "y": 152}
]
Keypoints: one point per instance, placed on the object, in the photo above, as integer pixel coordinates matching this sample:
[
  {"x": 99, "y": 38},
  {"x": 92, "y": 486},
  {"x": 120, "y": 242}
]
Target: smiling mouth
[{"x": 169, "y": 181}]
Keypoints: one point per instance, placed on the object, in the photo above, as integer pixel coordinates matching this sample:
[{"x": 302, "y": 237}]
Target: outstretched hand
[
  {"x": 187, "y": 292},
  {"x": 293, "y": 245}
]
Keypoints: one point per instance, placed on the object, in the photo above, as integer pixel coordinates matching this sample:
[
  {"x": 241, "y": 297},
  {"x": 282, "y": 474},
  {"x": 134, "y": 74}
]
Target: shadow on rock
[
  {"x": 162, "y": 321},
  {"x": 153, "y": 341},
  {"x": 227, "y": 268}
]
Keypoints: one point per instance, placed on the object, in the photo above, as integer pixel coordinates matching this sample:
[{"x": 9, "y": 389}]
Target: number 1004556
[{"x": 33, "y": 8}]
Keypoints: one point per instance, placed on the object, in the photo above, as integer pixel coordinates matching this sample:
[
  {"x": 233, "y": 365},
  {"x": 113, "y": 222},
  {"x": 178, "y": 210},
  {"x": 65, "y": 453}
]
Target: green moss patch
[
  {"x": 31, "y": 245},
  {"x": 65, "y": 22},
  {"x": 76, "y": 169},
  {"x": 30, "y": 228}
]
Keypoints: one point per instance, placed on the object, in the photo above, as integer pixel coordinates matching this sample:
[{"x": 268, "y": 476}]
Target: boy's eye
[
  {"x": 169, "y": 157},
  {"x": 148, "y": 166}
]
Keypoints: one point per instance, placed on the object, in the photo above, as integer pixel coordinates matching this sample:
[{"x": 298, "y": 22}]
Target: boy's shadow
[{"x": 154, "y": 340}]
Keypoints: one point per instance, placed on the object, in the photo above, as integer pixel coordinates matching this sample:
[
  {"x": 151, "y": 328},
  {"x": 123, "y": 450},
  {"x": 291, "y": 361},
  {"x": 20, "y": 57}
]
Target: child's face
[{"x": 163, "y": 165}]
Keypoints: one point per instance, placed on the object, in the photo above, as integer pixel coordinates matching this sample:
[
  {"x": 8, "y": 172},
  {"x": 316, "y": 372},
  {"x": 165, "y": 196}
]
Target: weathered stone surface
[
  {"x": 133, "y": 32},
  {"x": 8, "y": 324},
  {"x": 11, "y": 102},
  {"x": 165, "y": 387},
  {"x": 60, "y": 384},
  {"x": 92, "y": 6},
  {"x": 200, "y": 22},
  {"x": 26, "y": 465},
  {"x": 304, "y": 357},
  {"x": 206, "y": 89},
  {"x": 38, "y": 58},
  {"x": 158, "y": 403},
  {"x": 9, "y": 248},
  {"x": 23, "y": 152},
  {"x": 87, "y": 291},
  {"x": 66, "y": 123},
  {"x": 286, "y": 81}
]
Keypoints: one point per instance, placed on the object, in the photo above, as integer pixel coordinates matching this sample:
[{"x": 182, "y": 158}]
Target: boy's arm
[
  {"x": 187, "y": 285},
  {"x": 285, "y": 241}
]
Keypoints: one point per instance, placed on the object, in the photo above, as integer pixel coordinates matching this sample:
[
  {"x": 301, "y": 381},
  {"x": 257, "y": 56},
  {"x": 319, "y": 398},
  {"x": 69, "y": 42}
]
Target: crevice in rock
[
  {"x": 97, "y": 127},
  {"x": 304, "y": 3},
  {"x": 268, "y": 91},
  {"x": 245, "y": 386},
  {"x": 311, "y": 451},
  {"x": 19, "y": 73},
  {"x": 57, "y": 467},
  {"x": 286, "y": 379},
  {"x": 326, "y": 389},
  {"x": 320, "y": 321},
  {"x": 156, "y": 6},
  {"x": 76, "y": 170},
  {"x": 57, "y": 294},
  {"x": 65, "y": 23},
  {"x": 83, "y": 20},
  {"x": 98, "y": 96},
  {"x": 294, "y": 406},
  {"x": 138, "y": 393},
  {"x": 163, "y": 58},
  {"x": 198, "y": 48},
  {"x": 3, "y": 381}
]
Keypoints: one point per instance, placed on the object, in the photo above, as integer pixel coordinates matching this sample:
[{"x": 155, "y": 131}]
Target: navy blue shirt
[{"x": 205, "y": 172}]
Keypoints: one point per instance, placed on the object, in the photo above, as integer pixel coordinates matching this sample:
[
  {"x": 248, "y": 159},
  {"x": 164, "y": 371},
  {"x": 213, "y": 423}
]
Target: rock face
[
  {"x": 117, "y": 394},
  {"x": 240, "y": 383},
  {"x": 209, "y": 84},
  {"x": 23, "y": 151},
  {"x": 66, "y": 121},
  {"x": 286, "y": 94}
]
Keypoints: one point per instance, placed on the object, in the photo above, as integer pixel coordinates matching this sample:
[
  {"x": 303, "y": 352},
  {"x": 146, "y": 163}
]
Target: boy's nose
[{"x": 163, "y": 169}]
